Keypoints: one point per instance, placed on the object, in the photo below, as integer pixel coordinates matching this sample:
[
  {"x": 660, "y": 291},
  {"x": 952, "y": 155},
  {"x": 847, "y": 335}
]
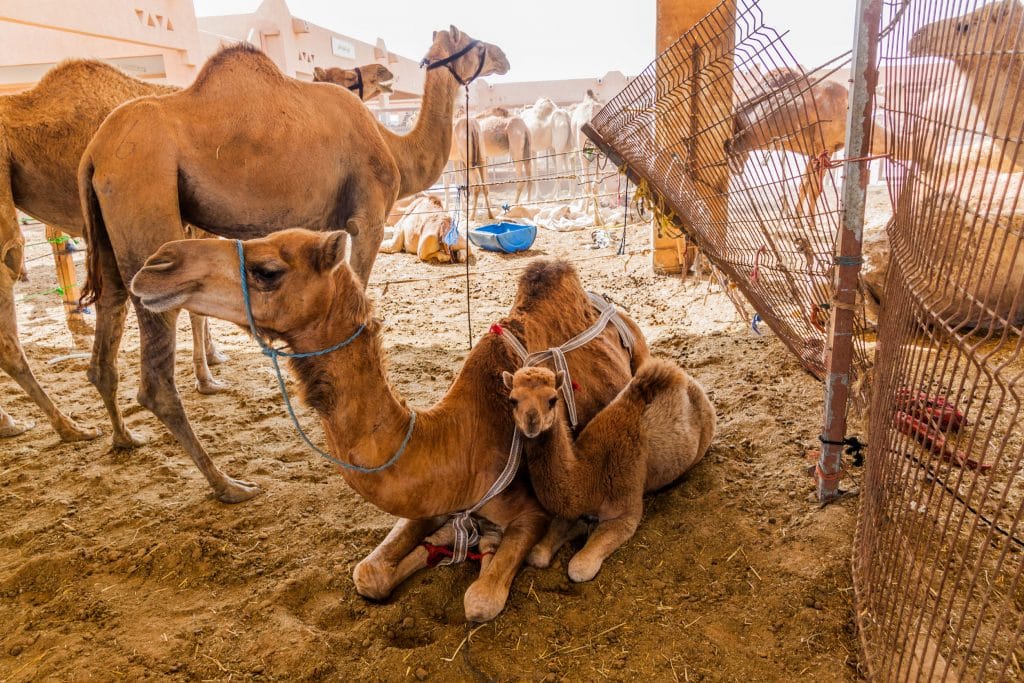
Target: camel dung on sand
[
  {"x": 655, "y": 430},
  {"x": 421, "y": 230},
  {"x": 241, "y": 153},
  {"x": 303, "y": 294}
]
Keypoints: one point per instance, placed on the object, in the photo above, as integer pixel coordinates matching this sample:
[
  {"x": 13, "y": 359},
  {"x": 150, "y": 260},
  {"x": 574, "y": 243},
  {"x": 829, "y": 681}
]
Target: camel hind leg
[
  {"x": 12, "y": 356},
  {"x": 397, "y": 558},
  {"x": 202, "y": 345},
  {"x": 366, "y": 227}
]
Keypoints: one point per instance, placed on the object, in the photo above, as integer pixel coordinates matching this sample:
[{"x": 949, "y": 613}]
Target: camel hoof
[
  {"x": 539, "y": 558},
  {"x": 211, "y": 386},
  {"x": 583, "y": 568},
  {"x": 482, "y": 603},
  {"x": 371, "y": 580},
  {"x": 71, "y": 432},
  {"x": 237, "y": 491},
  {"x": 216, "y": 357},
  {"x": 11, "y": 428},
  {"x": 128, "y": 440}
]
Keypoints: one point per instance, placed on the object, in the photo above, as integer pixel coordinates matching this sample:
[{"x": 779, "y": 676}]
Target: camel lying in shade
[
  {"x": 659, "y": 427},
  {"x": 304, "y": 295},
  {"x": 241, "y": 153}
]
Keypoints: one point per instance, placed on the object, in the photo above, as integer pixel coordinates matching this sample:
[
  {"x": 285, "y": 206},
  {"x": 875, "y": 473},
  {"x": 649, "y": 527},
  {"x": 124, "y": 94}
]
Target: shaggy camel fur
[
  {"x": 460, "y": 157},
  {"x": 43, "y": 133},
  {"x": 306, "y": 296},
  {"x": 503, "y": 134},
  {"x": 241, "y": 153},
  {"x": 800, "y": 117},
  {"x": 987, "y": 45},
  {"x": 653, "y": 432},
  {"x": 421, "y": 230}
]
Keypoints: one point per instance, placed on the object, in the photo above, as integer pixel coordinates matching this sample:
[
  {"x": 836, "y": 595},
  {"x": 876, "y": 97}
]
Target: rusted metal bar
[{"x": 839, "y": 345}]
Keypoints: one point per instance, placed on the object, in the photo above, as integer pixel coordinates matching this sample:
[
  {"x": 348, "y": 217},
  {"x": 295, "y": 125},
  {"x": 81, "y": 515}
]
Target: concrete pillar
[{"x": 674, "y": 18}]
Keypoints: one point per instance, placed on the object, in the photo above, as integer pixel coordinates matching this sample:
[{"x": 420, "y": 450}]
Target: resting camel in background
[
  {"x": 308, "y": 298},
  {"x": 796, "y": 116},
  {"x": 43, "y": 133},
  {"x": 654, "y": 431},
  {"x": 503, "y": 134},
  {"x": 243, "y": 152}
]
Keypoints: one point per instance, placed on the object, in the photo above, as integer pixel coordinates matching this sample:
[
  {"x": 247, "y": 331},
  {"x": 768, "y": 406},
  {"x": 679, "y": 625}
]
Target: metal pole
[{"x": 839, "y": 349}]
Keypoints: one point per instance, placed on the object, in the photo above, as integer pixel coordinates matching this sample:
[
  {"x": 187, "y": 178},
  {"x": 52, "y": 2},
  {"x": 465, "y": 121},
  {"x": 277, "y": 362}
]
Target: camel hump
[
  {"x": 241, "y": 60},
  {"x": 543, "y": 279},
  {"x": 654, "y": 378}
]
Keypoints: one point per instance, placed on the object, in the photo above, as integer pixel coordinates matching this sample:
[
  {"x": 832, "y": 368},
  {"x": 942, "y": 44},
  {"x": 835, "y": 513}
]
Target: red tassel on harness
[
  {"x": 496, "y": 329},
  {"x": 575, "y": 386}
]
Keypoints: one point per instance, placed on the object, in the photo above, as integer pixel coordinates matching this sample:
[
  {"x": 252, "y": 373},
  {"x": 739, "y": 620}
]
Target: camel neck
[
  {"x": 559, "y": 477},
  {"x": 422, "y": 154}
]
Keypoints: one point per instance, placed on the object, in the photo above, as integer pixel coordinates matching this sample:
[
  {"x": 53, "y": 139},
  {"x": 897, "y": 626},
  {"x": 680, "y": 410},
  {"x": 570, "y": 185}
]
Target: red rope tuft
[{"x": 496, "y": 329}]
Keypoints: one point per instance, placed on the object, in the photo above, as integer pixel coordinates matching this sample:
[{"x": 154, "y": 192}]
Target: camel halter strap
[
  {"x": 274, "y": 354},
  {"x": 609, "y": 314},
  {"x": 358, "y": 87},
  {"x": 467, "y": 533},
  {"x": 450, "y": 59}
]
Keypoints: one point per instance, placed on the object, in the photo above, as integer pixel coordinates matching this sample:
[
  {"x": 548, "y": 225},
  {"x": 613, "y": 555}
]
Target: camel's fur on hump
[
  {"x": 655, "y": 430},
  {"x": 307, "y": 297}
]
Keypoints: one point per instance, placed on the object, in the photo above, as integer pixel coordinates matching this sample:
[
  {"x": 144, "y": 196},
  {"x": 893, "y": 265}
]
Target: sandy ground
[{"x": 121, "y": 565}]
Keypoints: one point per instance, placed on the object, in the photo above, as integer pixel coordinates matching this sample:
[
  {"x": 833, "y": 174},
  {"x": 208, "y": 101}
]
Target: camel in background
[
  {"x": 460, "y": 156},
  {"x": 586, "y": 153},
  {"x": 243, "y": 152},
  {"x": 365, "y": 81},
  {"x": 308, "y": 298},
  {"x": 987, "y": 46},
  {"x": 797, "y": 116},
  {"x": 551, "y": 133},
  {"x": 503, "y": 134},
  {"x": 421, "y": 229},
  {"x": 43, "y": 132}
]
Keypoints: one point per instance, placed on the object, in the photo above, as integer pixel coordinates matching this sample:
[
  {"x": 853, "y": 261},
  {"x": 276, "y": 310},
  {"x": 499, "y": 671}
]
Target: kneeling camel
[
  {"x": 302, "y": 293},
  {"x": 653, "y": 432}
]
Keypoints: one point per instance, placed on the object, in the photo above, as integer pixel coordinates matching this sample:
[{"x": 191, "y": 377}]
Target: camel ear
[
  {"x": 330, "y": 251},
  {"x": 454, "y": 33},
  {"x": 506, "y": 377},
  {"x": 559, "y": 379},
  {"x": 319, "y": 74}
]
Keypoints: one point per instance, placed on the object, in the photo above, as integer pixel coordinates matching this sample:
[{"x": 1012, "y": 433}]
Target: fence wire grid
[
  {"x": 735, "y": 140},
  {"x": 939, "y": 549}
]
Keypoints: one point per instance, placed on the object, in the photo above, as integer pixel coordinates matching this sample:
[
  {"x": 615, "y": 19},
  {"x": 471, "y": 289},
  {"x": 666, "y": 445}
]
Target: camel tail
[
  {"x": 96, "y": 239},
  {"x": 653, "y": 379}
]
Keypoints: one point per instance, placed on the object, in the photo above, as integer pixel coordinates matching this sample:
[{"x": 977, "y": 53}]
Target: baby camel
[{"x": 656, "y": 429}]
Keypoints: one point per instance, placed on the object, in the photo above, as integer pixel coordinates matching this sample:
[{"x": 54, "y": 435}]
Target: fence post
[{"x": 839, "y": 346}]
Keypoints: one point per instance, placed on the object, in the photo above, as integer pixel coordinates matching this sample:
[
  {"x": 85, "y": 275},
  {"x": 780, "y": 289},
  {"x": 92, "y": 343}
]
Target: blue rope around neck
[{"x": 274, "y": 354}]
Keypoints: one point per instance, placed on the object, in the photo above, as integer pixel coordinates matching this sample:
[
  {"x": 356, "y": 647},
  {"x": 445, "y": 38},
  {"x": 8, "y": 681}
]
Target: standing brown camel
[
  {"x": 243, "y": 152},
  {"x": 449, "y": 455},
  {"x": 987, "y": 45},
  {"x": 460, "y": 158},
  {"x": 43, "y": 133},
  {"x": 796, "y": 116},
  {"x": 502, "y": 134}
]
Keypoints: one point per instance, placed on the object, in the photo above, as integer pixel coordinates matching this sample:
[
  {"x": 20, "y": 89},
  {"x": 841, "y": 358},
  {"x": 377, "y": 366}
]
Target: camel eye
[
  {"x": 265, "y": 276},
  {"x": 513, "y": 401},
  {"x": 962, "y": 27},
  {"x": 552, "y": 401}
]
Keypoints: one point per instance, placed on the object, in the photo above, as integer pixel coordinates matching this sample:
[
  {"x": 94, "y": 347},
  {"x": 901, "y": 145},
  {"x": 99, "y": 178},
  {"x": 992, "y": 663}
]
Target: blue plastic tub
[{"x": 506, "y": 237}]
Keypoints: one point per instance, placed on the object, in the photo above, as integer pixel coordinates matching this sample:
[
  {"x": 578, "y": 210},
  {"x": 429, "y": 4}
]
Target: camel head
[
  {"x": 533, "y": 393},
  {"x": 295, "y": 277},
  {"x": 465, "y": 57},
  {"x": 991, "y": 31},
  {"x": 374, "y": 78}
]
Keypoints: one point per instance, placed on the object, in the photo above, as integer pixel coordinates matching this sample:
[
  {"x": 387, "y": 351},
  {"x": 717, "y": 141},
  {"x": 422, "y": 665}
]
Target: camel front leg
[
  {"x": 206, "y": 383},
  {"x": 398, "y": 557},
  {"x": 607, "y": 537},
  {"x": 560, "y": 531},
  {"x": 486, "y": 597},
  {"x": 395, "y": 244}
]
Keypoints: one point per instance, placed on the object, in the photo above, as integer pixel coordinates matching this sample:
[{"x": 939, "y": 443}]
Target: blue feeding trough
[{"x": 506, "y": 237}]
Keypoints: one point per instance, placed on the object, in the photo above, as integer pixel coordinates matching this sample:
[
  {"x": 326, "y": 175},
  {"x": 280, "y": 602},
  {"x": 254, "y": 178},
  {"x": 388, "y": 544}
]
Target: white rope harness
[{"x": 467, "y": 533}]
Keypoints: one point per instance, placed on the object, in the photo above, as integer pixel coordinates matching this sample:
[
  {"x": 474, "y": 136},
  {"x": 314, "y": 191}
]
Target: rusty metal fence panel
[
  {"x": 938, "y": 556},
  {"x": 751, "y": 182}
]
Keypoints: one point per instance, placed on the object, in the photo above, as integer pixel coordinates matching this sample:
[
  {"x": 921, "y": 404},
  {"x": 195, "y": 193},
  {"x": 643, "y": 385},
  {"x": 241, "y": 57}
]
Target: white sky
[{"x": 552, "y": 39}]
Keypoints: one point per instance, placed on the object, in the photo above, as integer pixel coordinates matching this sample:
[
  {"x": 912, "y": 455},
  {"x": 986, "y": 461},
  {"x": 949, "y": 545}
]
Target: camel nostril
[{"x": 159, "y": 263}]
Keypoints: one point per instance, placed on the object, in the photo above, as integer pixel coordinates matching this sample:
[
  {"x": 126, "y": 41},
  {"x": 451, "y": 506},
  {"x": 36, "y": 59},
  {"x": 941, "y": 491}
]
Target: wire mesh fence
[
  {"x": 938, "y": 557},
  {"x": 736, "y": 142}
]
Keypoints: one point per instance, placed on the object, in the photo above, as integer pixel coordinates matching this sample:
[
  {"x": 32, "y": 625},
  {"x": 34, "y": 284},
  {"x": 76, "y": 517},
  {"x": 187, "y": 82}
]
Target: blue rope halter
[{"x": 273, "y": 354}]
